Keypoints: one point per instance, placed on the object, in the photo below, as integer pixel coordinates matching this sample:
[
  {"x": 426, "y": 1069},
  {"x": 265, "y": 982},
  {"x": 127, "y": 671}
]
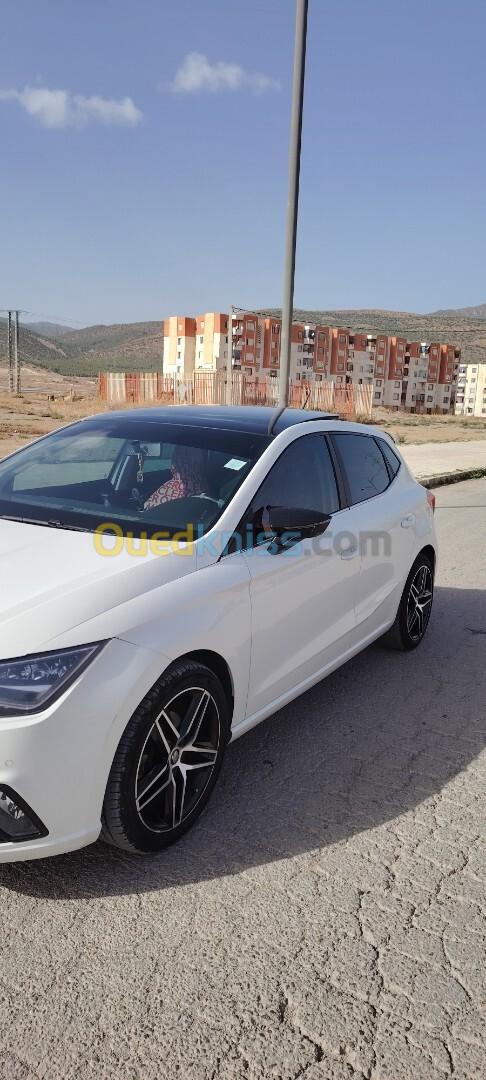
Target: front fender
[{"x": 211, "y": 610}]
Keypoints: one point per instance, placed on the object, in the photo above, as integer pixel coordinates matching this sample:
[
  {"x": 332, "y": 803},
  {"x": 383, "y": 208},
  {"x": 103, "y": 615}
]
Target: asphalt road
[{"x": 325, "y": 919}]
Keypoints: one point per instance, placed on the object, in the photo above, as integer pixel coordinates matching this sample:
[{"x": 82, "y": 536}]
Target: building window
[{"x": 299, "y": 348}]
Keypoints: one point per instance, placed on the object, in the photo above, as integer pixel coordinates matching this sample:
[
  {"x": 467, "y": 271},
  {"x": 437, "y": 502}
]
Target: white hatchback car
[{"x": 171, "y": 577}]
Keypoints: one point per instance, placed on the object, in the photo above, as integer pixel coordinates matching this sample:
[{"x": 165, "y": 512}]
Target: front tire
[
  {"x": 415, "y": 608},
  {"x": 167, "y": 761}
]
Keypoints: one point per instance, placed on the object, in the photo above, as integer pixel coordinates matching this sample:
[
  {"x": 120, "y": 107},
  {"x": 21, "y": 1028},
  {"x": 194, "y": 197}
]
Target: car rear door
[
  {"x": 302, "y": 600},
  {"x": 382, "y": 504}
]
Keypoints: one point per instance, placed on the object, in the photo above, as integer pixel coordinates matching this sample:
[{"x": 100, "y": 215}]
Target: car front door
[{"x": 302, "y": 599}]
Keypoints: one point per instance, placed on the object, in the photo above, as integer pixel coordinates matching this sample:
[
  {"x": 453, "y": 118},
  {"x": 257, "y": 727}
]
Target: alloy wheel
[
  {"x": 177, "y": 759},
  {"x": 419, "y": 602}
]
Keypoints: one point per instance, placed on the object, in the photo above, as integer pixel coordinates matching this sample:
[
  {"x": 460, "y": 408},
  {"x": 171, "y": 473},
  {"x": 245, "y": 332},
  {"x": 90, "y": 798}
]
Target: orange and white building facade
[
  {"x": 413, "y": 376},
  {"x": 471, "y": 390},
  {"x": 195, "y": 344}
]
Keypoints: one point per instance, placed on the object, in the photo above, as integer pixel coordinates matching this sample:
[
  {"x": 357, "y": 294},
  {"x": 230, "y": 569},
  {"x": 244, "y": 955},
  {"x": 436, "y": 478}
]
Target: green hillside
[{"x": 121, "y": 347}]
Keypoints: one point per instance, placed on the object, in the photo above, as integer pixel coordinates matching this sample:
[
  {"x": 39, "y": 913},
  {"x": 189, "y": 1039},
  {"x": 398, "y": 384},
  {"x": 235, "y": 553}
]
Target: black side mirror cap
[{"x": 296, "y": 520}]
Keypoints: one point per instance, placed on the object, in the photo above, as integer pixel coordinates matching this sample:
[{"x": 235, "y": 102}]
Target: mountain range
[
  {"x": 478, "y": 312},
  {"x": 139, "y": 346}
]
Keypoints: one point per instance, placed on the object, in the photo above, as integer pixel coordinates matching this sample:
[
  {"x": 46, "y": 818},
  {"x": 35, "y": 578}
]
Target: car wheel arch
[
  {"x": 430, "y": 552},
  {"x": 216, "y": 663}
]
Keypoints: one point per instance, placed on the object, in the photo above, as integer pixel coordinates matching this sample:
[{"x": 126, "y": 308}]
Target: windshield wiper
[{"x": 51, "y": 524}]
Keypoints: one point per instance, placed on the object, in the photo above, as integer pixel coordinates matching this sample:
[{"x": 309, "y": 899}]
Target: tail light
[{"x": 431, "y": 500}]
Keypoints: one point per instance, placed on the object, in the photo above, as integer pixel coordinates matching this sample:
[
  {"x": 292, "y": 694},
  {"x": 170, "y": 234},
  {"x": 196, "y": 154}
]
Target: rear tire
[
  {"x": 413, "y": 614},
  {"x": 167, "y": 761}
]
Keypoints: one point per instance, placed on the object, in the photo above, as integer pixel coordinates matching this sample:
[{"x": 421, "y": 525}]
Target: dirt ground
[
  {"x": 26, "y": 417},
  {"x": 410, "y": 428}
]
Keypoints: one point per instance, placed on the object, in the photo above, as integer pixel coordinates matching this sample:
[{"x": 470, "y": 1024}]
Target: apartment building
[
  {"x": 248, "y": 336},
  {"x": 179, "y": 345},
  {"x": 413, "y": 376},
  {"x": 195, "y": 344},
  {"x": 471, "y": 390}
]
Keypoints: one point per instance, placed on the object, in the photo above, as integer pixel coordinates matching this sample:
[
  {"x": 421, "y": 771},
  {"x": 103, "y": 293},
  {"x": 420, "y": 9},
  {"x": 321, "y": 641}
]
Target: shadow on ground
[{"x": 371, "y": 742}]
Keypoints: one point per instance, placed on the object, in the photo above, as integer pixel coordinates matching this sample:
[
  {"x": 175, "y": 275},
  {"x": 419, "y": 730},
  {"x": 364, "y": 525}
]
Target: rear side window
[
  {"x": 363, "y": 464},
  {"x": 391, "y": 458}
]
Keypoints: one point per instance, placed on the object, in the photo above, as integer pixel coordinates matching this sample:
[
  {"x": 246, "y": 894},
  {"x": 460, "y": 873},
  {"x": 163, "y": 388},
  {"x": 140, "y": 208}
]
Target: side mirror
[{"x": 292, "y": 524}]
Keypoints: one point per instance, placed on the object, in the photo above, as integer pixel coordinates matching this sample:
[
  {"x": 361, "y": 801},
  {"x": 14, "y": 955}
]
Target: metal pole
[
  {"x": 293, "y": 196},
  {"x": 229, "y": 359},
  {"x": 17, "y": 381},
  {"x": 10, "y": 354}
]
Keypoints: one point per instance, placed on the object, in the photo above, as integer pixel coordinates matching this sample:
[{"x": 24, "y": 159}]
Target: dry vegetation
[{"x": 410, "y": 428}]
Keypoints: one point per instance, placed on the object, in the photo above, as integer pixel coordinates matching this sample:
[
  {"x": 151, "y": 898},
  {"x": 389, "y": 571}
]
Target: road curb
[{"x": 452, "y": 478}]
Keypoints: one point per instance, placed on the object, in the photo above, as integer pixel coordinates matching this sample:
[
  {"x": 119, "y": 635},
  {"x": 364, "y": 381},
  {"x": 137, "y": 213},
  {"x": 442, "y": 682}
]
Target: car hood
[{"x": 54, "y": 582}]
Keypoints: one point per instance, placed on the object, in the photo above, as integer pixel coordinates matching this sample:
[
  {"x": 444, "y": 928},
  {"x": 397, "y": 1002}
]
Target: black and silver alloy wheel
[
  {"x": 177, "y": 759},
  {"x": 419, "y": 602},
  {"x": 415, "y": 606},
  {"x": 168, "y": 760}
]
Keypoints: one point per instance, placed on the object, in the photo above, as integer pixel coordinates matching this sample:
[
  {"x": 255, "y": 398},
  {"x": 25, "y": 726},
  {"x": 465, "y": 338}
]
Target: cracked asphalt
[{"x": 325, "y": 919}]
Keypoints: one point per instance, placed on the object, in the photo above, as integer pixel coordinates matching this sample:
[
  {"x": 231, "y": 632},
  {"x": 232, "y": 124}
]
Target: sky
[{"x": 144, "y": 150}]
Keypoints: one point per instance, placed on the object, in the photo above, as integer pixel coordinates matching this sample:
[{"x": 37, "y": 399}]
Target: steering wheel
[{"x": 112, "y": 497}]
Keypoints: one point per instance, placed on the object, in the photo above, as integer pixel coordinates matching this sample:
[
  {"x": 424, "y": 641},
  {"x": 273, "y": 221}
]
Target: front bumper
[{"x": 58, "y": 761}]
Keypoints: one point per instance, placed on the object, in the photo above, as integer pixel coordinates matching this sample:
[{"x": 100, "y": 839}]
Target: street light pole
[{"x": 293, "y": 197}]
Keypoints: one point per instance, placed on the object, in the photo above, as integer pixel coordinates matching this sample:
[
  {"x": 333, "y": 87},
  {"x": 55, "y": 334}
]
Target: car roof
[{"x": 253, "y": 419}]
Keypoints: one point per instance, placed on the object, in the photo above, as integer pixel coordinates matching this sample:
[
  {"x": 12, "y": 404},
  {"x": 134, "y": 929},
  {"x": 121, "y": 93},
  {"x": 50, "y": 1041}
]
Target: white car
[{"x": 168, "y": 579}]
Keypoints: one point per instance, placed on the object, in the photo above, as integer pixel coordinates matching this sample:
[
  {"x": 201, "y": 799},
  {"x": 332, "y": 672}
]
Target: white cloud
[
  {"x": 196, "y": 74},
  {"x": 61, "y": 109}
]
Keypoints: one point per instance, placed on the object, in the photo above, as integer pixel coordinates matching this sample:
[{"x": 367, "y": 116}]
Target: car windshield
[{"x": 143, "y": 476}]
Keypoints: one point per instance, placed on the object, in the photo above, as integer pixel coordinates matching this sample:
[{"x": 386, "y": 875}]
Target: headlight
[{"x": 30, "y": 684}]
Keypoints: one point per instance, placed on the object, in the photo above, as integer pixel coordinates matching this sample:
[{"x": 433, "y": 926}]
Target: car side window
[
  {"x": 391, "y": 458},
  {"x": 302, "y": 477},
  {"x": 363, "y": 465}
]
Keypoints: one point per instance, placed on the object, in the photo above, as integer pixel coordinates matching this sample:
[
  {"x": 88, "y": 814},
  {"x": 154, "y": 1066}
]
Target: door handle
[
  {"x": 408, "y": 522},
  {"x": 350, "y": 553}
]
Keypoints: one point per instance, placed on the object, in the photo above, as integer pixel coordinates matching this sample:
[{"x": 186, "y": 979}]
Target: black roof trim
[{"x": 254, "y": 419}]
